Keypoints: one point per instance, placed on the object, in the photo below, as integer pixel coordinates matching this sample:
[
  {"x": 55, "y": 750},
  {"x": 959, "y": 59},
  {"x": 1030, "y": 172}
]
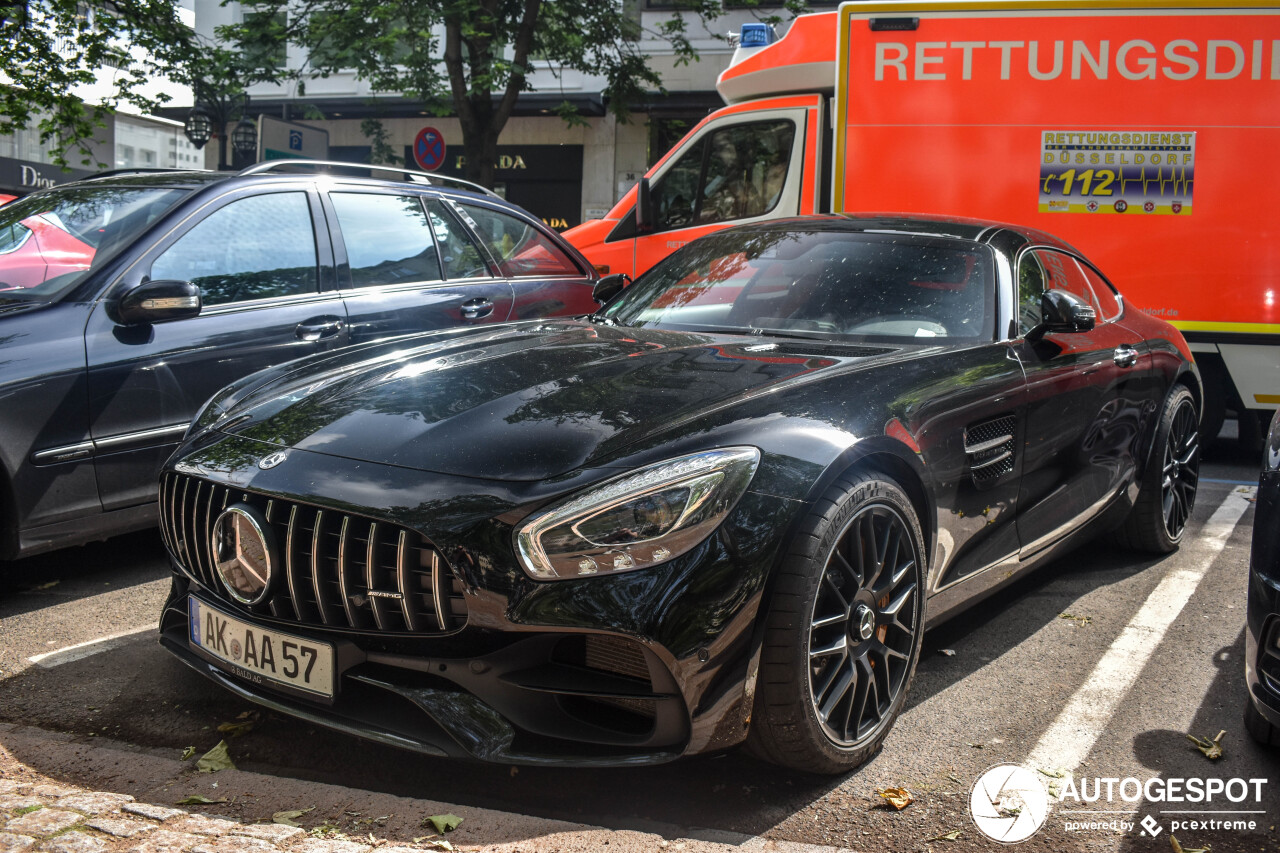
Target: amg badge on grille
[{"x": 243, "y": 545}]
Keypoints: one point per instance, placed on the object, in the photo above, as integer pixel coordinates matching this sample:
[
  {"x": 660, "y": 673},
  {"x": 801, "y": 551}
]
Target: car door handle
[
  {"x": 1125, "y": 356},
  {"x": 319, "y": 328},
  {"x": 474, "y": 309}
]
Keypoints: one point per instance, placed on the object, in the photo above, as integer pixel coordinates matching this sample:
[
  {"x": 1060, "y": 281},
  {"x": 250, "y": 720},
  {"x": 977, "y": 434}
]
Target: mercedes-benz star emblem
[
  {"x": 866, "y": 622},
  {"x": 242, "y": 552},
  {"x": 271, "y": 460}
]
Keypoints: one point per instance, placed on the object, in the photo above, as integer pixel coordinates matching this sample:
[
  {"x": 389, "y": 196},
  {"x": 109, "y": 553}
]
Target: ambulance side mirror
[{"x": 644, "y": 207}]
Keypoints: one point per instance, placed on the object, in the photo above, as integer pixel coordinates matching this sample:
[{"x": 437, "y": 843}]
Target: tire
[
  {"x": 1258, "y": 727},
  {"x": 842, "y": 629},
  {"x": 1167, "y": 493}
]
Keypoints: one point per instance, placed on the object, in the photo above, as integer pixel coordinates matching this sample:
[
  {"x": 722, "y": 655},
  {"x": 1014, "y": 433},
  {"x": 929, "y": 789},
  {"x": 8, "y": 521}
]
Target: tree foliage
[
  {"x": 50, "y": 48},
  {"x": 473, "y": 58}
]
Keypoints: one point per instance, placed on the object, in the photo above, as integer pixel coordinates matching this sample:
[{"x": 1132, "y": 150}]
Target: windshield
[
  {"x": 51, "y": 240},
  {"x": 828, "y": 284}
]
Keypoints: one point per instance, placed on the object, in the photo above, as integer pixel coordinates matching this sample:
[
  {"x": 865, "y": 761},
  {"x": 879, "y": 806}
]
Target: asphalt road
[{"x": 1099, "y": 666}]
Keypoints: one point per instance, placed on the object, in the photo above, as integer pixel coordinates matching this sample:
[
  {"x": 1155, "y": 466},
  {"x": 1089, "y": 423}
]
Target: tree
[
  {"x": 472, "y": 58},
  {"x": 50, "y": 48}
]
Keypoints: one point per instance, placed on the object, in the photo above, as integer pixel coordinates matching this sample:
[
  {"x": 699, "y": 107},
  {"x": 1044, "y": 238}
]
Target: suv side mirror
[
  {"x": 609, "y": 287},
  {"x": 156, "y": 301},
  {"x": 1063, "y": 311},
  {"x": 644, "y": 207}
]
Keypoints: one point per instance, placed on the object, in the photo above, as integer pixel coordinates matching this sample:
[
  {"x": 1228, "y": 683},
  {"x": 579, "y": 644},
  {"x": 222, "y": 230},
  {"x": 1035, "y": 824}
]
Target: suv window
[
  {"x": 520, "y": 248},
  {"x": 388, "y": 238},
  {"x": 12, "y": 236},
  {"x": 462, "y": 258},
  {"x": 254, "y": 248}
]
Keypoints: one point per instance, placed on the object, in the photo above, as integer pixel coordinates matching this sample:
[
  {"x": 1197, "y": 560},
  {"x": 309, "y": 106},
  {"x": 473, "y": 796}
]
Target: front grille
[
  {"x": 989, "y": 446},
  {"x": 340, "y": 570}
]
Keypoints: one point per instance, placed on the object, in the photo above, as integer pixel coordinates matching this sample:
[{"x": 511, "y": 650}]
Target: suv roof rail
[
  {"x": 414, "y": 176},
  {"x": 135, "y": 170}
]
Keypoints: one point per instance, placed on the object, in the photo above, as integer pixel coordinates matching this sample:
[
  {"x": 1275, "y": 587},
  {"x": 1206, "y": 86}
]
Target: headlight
[
  {"x": 640, "y": 519},
  {"x": 1271, "y": 459}
]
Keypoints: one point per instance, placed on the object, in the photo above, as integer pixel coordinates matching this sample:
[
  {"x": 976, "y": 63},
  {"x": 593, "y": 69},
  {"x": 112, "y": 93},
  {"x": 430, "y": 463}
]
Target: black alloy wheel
[
  {"x": 863, "y": 627},
  {"x": 1167, "y": 490},
  {"x": 842, "y": 629},
  {"x": 1181, "y": 472}
]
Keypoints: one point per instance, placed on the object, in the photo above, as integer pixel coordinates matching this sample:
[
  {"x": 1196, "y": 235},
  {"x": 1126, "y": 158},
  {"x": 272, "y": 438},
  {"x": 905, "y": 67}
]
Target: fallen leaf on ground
[
  {"x": 49, "y": 585},
  {"x": 288, "y": 818},
  {"x": 236, "y": 729},
  {"x": 1178, "y": 848},
  {"x": 438, "y": 844},
  {"x": 443, "y": 822},
  {"x": 974, "y": 745},
  {"x": 950, "y": 836},
  {"x": 899, "y": 798},
  {"x": 948, "y": 652},
  {"x": 188, "y": 753},
  {"x": 197, "y": 800},
  {"x": 1212, "y": 749},
  {"x": 216, "y": 759},
  {"x": 1079, "y": 620}
]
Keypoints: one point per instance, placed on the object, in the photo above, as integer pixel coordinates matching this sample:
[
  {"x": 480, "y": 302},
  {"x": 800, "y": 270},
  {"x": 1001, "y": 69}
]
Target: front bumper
[
  {"x": 633, "y": 668},
  {"x": 1262, "y": 633}
]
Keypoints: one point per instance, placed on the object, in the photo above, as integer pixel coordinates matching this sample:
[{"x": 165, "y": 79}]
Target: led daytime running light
[{"x": 705, "y": 475}]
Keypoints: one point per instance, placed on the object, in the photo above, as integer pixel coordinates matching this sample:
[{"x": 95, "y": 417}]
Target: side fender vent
[{"x": 989, "y": 446}]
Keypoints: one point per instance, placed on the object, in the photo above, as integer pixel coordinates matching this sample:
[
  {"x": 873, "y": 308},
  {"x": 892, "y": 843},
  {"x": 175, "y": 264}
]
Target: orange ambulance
[{"x": 1144, "y": 133}]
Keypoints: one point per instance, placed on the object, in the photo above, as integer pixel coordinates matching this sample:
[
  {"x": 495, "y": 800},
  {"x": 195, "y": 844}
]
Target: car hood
[{"x": 525, "y": 402}]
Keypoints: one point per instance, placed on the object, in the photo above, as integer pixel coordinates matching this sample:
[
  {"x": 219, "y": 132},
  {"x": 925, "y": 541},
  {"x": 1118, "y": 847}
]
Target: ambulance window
[
  {"x": 734, "y": 172},
  {"x": 1107, "y": 301},
  {"x": 745, "y": 172},
  {"x": 675, "y": 192}
]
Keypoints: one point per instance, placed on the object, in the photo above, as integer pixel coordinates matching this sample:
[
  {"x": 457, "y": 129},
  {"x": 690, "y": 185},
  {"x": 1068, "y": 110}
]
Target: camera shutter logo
[{"x": 1008, "y": 804}]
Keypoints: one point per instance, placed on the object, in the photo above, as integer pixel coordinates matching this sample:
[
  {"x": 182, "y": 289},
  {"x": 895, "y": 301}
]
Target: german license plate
[{"x": 259, "y": 655}]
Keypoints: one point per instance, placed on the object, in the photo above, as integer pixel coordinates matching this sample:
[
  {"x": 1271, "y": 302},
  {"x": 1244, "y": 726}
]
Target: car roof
[
  {"x": 955, "y": 227},
  {"x": 358, "y": 173}
]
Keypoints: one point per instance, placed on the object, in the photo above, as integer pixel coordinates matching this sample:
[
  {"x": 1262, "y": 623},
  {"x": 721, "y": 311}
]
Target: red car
[{"x": 35, "y": 249}]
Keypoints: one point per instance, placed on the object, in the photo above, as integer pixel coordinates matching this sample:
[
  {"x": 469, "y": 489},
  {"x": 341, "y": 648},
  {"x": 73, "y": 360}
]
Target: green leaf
[
  {"x": 1212, "y": 749},
  {"x": 443, "y": 822},
  {"x": 188, "y": 753},
  {"x": 950, "y": 836},
  {"x": 288, "y": 818},
  {"x": 197, "y": 800},
  {"x": 216, "y": 759}
]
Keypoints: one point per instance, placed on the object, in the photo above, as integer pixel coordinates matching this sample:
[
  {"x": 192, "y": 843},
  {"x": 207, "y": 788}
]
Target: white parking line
[
  {"x": 79, "y": 651},
  {"x": 1071, "y": 737}
]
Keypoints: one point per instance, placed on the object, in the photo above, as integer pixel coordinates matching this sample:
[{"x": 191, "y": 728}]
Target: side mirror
[
  {"x": 157, "y": 301},
  {"x": 1062, "y": 311},
  {"x": 609, "y": 287},
  {"x": 644, "y": 207}
]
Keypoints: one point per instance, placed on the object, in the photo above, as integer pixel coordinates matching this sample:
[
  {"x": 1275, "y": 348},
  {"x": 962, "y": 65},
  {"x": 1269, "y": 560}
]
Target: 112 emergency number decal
[{"x": 1117, "y": 171}]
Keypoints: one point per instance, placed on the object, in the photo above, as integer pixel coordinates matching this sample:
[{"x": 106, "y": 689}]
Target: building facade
[{"x": 564, "y": 174}]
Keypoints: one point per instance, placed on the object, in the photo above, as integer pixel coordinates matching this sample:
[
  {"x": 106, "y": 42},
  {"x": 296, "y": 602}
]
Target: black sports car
[
  {"x": 1262, "y": 634},
  {"x": 723, "y": 508}
]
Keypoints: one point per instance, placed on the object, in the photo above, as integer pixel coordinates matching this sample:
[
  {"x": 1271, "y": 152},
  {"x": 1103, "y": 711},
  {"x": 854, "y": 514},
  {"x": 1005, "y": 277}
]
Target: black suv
[{"x": 128, "y": 299}]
